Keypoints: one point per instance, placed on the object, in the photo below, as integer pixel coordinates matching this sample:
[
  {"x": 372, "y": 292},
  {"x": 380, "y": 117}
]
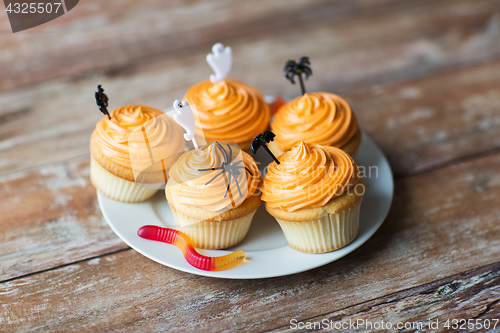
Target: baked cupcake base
[
  {"x": 329, "y": 233},
  {"x": 117, "y": 181},
  {"x": 214, "y": 235},
  {"x": 115, "y": 187},
  {"x": 214, "y": 230},
  {"x": 323, "y": 229}
]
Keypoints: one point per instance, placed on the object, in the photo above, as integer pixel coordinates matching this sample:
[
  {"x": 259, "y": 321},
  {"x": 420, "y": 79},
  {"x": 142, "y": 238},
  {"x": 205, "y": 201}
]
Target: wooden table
[{"x": 422, "y": 75}]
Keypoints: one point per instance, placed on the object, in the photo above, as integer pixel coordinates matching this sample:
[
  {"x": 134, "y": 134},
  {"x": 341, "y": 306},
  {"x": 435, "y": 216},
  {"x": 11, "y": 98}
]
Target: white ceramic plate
[{"x": 267, "y": 252}]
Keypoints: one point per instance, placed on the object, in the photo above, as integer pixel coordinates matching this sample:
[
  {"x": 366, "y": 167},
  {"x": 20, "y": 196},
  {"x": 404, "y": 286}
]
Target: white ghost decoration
[
  {"x": 184, "y": 116},
  {"x": 220, "y": 61}
]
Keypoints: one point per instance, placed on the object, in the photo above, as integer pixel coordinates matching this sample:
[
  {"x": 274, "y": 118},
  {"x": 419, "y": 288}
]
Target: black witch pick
[
  {"x": 232, "y": 169},
  {"x": 293, "y": 68},
  {"x": 262, "y": 140},
  {"x": 102, "y": 101}
]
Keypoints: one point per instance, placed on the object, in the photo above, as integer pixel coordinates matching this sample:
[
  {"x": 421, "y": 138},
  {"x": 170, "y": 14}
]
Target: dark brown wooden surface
[
  {"x": 431, "y": 306},
  {"x": 423, "y": 77}
]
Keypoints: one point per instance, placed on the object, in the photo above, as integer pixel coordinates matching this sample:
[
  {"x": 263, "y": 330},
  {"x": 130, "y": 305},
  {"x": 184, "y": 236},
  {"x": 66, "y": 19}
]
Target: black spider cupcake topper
[
  {"x": 233, "y": 170},
  {"x": 102, "y": 101},
  {"x": 262, "y": 140},
  {"x": 293, "y": 68}
]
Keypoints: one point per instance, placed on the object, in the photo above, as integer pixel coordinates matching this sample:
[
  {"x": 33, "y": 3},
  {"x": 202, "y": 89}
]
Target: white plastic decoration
[
  {"x": 184, "y": 116},
  {"x": 220, "y": 60}
]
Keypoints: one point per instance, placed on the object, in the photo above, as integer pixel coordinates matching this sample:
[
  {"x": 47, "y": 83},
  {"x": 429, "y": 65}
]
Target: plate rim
[{"x": 226, "y": 274}]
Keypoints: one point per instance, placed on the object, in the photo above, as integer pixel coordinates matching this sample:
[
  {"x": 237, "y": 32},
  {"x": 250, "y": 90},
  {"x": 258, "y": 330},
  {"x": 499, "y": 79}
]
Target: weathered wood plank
[
  {"x": 434, "y": 120},
  {"x": 443, "y": 305},
  {"x": 360, "y": 42},
  {"x": 97, "y": 35},
  {"x": 399, "y": 43},
  {"x": 52, "y": 122},
  {"x": 50, "y": 217},
  {"x": 419, "y": 124},
  {"x": 442, "y": 223}
]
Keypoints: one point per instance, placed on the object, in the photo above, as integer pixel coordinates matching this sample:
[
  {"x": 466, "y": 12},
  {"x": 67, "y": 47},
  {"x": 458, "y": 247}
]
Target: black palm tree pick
[
  {"x": 102, "y": 101},
  {"x": 293, "y": 68},
  {"x": 262, "y": 140}
]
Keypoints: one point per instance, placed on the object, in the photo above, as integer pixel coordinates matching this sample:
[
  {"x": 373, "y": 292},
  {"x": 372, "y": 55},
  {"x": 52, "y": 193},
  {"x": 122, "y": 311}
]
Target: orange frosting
[
  {"x": 188, "y": 185},
  {"x": 229, "y": 111},
  {"x": 308, "y": 176},
  {"x": 139, "y": 132},
  {"x": 321, "y": 118}
]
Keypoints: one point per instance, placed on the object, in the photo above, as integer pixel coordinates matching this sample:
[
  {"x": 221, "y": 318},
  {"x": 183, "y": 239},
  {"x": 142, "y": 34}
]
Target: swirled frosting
[
  {"x": 188, "y": 183},
  {"x": 308, "y": 176},
  {"x": 139, "y": 132},
  {"x": 229, "y": 111},
  {"x": 321, "y": 118}
]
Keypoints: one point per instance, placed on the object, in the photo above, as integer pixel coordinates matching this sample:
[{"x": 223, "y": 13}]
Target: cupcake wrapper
[
  {"x": 115, "y": 187},
  {"x": 214, "y": 235},
  {"x": 330, "y": 232}
]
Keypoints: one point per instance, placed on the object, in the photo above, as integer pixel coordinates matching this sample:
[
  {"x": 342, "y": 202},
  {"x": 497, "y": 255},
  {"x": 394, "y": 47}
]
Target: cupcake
[
  {"x": 228, "y": 111},
  {"x": 132, "y": 151},
  {"x": 315, "y": 194},
  {"x": 213, "y": 214},
  {"x": 316, "y": 118}
]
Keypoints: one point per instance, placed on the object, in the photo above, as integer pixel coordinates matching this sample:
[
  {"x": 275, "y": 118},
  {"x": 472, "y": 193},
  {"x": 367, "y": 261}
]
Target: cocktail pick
[
  {"x": 293, "y": 68},
  {"x": 184, "y": 116},
  {"x": 262, "y": 140},
  {"x": 220, "y": 60},
  {"x": 102, "y": 101}
]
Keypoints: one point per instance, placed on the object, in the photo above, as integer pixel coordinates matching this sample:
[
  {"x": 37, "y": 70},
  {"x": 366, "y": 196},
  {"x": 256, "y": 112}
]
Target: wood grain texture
[
  {"x": 97, "y": 35},
  {"x": 470, "y": 295},
  {"x": 428, "y": 122},
  {"x": 442, "y": 223},
  {"x": 360, "y": 42},
  {"x": 50, "y": 217},
  {"x": 51, "y": 122},
  {"x": 422, "y": 76},
  {"x": 419, "y": 124}
]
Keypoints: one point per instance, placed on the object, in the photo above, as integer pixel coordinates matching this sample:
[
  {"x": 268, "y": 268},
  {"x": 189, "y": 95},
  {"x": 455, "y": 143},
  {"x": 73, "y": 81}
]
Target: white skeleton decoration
[
  {"x": 220, "y": 60},
  {"x": 184, "y": 116}
]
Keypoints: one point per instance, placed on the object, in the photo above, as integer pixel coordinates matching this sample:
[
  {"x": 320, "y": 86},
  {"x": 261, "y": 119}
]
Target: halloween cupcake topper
[
  {"x": 102, "y": 101},
  {"x": 184, "y": 116},
  {"x": 220, "y": 61},
  {"x": 293, "y": 68},
  {"x": 229, "y": 168},
  {"x": 262, "y": 140}
]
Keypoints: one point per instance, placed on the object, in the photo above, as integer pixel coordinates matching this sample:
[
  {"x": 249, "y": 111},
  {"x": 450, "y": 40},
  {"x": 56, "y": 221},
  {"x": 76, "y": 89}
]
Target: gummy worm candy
[{"x": 182, "y": 241}]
